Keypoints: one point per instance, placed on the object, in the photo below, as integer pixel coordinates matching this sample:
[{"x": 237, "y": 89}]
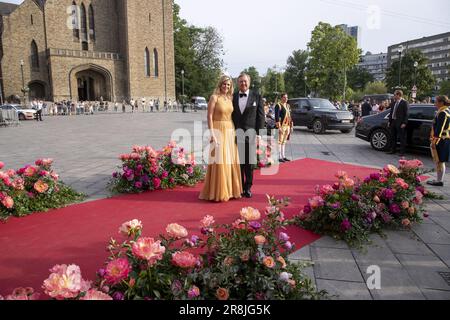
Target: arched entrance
[
  {"x": 90, "y": 83},
  {"x": 37, "y": 90}
]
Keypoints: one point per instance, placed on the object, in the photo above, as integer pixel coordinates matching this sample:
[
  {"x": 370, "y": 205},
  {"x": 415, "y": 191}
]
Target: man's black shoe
[
  {"x": 281, "y": 160},
  {"x": 248, "y": 194},
  {"x": 435, "y": 183},
  {"x": 286, "y": 159}
]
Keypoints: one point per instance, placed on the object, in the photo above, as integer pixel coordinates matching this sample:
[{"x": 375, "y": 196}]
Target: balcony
[{"x": 84, "y": 54}]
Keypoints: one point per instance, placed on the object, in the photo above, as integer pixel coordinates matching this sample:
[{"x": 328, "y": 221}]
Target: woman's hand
[{"x": 214, "y": 140}]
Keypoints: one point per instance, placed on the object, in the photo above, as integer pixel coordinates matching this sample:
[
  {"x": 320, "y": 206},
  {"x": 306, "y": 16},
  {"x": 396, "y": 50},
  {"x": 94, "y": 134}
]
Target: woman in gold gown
[{"x": 223, "y": 178}]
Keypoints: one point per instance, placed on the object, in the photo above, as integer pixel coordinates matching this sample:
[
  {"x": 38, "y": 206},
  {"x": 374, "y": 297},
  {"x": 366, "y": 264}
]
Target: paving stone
[
  {"x": 443, "y": 221},
  {"x": 442, "y": 251},
  {"x": 329, "y": 242},
  {"x": 432, "y": 234},
  {"x": 406, "y": 242},
  {"x": 424, "y": 271},
  {"x": 335, "y": 264},
  {"x": 302, "y": 254},
  {"x": 436, "y": 294},
  {"x": 344, "y": 290}
]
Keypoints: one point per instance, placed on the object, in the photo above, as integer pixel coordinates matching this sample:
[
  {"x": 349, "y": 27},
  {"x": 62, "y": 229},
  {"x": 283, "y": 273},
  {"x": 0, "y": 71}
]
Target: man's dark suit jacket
[
  {"x": 402, "y": 113},
  {"x": 253, "y": 116}
]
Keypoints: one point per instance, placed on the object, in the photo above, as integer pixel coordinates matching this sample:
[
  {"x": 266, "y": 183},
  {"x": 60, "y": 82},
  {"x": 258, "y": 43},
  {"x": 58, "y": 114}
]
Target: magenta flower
[
  {"x": 394, "y": 208},
  {"x": 346, "y": 225},
  {"x": 388, "y": 194},
  {"x": 138, "y": 184},
  {"x": 193, "y": 292},
  {"x": 156, "y": 183},
  {"x": 117, "y": 270},
  {"x": 118, "y": 296},
  {"x": 283, "y": 236}
]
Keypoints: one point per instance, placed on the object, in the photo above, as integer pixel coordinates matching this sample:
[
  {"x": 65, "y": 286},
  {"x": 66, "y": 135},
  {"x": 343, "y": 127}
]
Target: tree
[
  {"x": 198, "y": 51},
  {"x": 376, "y": 87},
  {"x": 358, "y": 78},
  {"x": 332, "y": 54},
  {"x": 294, "y": 76},
  {"x": 445, "y": 88},
  {"x": 421, "y": 76},
  {"x": 255, "y": 78},
  {"x": 273, "y": 84}
]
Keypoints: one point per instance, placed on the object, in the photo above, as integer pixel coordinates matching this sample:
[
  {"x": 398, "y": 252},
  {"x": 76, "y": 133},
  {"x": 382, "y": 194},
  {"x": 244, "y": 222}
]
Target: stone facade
[{"x": 119, "y": 50}]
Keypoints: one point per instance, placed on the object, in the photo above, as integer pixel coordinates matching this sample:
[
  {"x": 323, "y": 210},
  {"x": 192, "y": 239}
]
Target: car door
[
  {"x": 414, "y": 124},
  {"x": 426, "y": 126},
  {"x": 304, "y": 113}
]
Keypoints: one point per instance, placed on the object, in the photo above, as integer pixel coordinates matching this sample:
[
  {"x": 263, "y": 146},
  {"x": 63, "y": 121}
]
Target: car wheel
[
  {"x": 318, "y": 126},
  {"x": 22, "y": 117},
  {"x": 346, "y": 131},
  {"x": 379, "y": 140}
]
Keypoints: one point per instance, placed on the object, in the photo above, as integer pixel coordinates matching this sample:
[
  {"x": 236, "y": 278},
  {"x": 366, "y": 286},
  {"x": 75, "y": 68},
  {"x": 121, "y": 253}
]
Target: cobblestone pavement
[{"x": 413, "y": 264}]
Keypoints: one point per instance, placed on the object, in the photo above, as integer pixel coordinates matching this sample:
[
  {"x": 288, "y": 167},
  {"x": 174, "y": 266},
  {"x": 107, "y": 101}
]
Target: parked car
[
  {"x": 374, "y": 129},
  {"x": 199, "y": 103},
  {"x": 22, "y": 113},
  {"x": 320, "y": 115}
]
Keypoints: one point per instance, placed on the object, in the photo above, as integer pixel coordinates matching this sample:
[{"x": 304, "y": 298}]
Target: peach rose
[
  {"x": 148, "y": 249},
  {"x": 207, "y": 221},
  {"x": 222, "y": 294},
  {"x": 228, "y": 261},
  {"x": 40, "y": 186},
  {"x": 250, "y": 214},
  {"x": 30, "y": 171},
  {"x": 260, "y": 240},
  {"x": 184, "y": 259},
  {"x": 392, "y": 169},
  {"x": 376, "y": 199},
  {"x": 269, "y": 262},
  {"x": 176, "y": 231},
  {"x": 130, "y": 227},
  {"x": 406, "y": 222},
  {"x": 8, "y": 202},
  {"x": 411, "y": 211},
  {"x": 93, "y": 294},
  {"x": 281, "y": 260},
  {"x": 405, "y": 204}
]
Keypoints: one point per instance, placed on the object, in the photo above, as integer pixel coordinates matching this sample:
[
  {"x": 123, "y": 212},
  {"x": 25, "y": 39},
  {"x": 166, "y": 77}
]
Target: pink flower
[
  {"x": 326, "y": 190},
  {"x": 11, "y": 173},
  {"x": 65, "y": 282},
  {"x": 117, "y": 270},
  {"x": 93, "y": 294},
  {"x": 260, "y": 240},
  {"x": 250, "y": 214},
  {"x": 193, "y": 292},
  {"x": 341, "y": 175},
  {"x": 238, "y": 224},
  {"x": 419, "y": 197},
  {"x": 190, "y": 170},
  {"x": 391, "y": 169},
  {"x": 346, "y": 225},
  {"x": 148, "y": 249},
  {"x": 156, "y": 183},
  {"x": 207, "y": 221},
  {"x": 406, "y": 222},
  {"x": 348, "y": 183},
  {"x": 130, "y": 227},
  {"x": 176, "y": 231},
  {"x": 184, "y": 259},
  {"x": 124, "y": 157},
  {"x": 29, "y": 171},
  {"x": 18, "y": 184},
  {"x": 2, "y": 165},
  {"x": 401, "y": 183},
  {"x": 8, "y": 202},
  {"x": 22, "y": 294},
  {"x": 316, "y": 202}
]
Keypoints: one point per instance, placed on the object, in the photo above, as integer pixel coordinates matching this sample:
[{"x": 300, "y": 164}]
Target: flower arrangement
[
  {"x": 243, "y": 260},
  {"x": 264, "y": 155},
  {"x": 33, "y": 188},
  {"x": 352, "y": 209},
  {"x": 148, "y": 169}
]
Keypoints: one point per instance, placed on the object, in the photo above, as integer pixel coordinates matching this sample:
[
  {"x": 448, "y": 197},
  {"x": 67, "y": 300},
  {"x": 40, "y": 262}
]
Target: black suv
[
  {"x": 375, "y": 128},
  {"x": 320, "y": 115}
]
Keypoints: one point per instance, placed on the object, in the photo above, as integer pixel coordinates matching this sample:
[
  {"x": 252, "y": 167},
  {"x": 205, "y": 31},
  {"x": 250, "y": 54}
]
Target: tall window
[
  {"x": 32, "y": 20},
  {"x": 75, "y": 24},
  {"x": 34, "y": 55},
  {"x": 91, "y": 23},
  {"x": 83, "y": 18},
  {"x": 147, "y": 62},
  {"x": 155, "y": 62}
]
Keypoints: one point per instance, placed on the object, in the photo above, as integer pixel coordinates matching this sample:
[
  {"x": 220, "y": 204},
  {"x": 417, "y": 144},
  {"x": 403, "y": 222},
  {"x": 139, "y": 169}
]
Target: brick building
[{"x": 87, "y": 49}]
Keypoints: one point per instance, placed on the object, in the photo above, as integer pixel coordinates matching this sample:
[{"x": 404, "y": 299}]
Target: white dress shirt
[{"x": 243, "y": 101}]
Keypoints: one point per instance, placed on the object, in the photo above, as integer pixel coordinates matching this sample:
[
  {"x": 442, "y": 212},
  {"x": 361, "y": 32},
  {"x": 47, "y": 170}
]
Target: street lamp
[
  {"x": 182, "y": 88},
  {"x": 23, "y": 79},
  {"x": 400, "y": 50},
  {"x": 416, "y": 64},
  {"x": 306, "y": 78}
]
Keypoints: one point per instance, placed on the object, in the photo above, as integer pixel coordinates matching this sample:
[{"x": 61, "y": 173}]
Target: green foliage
[
  {"x": 294, "y": 76},
  {"x": 198, "y": 52},
  {"x": 331, "y": 54},
  {"x": 445, "y": 88},
  {"x": 424, "y": 79},
  {"x": 376, "y": 87},
  {"x": 273, "y": 84},
  {"x": 358, "y": 78}
]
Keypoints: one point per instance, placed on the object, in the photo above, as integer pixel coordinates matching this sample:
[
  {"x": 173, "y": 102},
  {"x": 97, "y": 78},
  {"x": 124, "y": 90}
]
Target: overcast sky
[{"x": 263, "y": 33}]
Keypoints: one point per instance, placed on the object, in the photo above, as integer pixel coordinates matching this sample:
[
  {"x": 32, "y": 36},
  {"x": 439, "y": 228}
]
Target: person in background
[
  {"x": 366, "y": 108},
  {"x": 375, "y": 107},
  {"x": 116, "y": 106},
  {"x": 440, "y": 139},
  {"x": 124, "y": 103},
  {"x": 152, "y": 104},
  {"x": 398, "y": 119},
  {"x": 39, "y": 111},
  {"x": 284, "y": 125}
]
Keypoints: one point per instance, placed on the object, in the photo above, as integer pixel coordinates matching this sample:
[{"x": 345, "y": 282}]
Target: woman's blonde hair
[{"x": 218, "y": 90}]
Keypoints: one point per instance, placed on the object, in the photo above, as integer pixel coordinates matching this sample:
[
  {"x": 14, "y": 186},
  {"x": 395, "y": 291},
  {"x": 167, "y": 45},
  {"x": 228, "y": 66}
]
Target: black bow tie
[{"x": 241, "y": 95}]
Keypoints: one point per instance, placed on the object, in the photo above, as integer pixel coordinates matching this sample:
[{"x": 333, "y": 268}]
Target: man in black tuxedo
[
  {"x": 366, "y": 108},
  {"x": 249, "y": 119},
  {"x": 398, "y": 119}
]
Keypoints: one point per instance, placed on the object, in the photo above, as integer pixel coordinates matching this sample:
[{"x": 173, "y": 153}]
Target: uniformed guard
[
  {"x": 440, "y": 139},
  {"x": 284, "y": 125}
]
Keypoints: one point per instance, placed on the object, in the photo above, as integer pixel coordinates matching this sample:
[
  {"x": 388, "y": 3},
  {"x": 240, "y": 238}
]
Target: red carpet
[{"x": 79, "y": 234}]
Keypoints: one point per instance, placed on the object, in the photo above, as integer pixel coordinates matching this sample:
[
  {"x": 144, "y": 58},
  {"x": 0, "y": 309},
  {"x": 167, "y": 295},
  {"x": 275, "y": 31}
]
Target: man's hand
[
  {"x": 258, "y": 139},
  {"x": 403, "y": 126}
]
